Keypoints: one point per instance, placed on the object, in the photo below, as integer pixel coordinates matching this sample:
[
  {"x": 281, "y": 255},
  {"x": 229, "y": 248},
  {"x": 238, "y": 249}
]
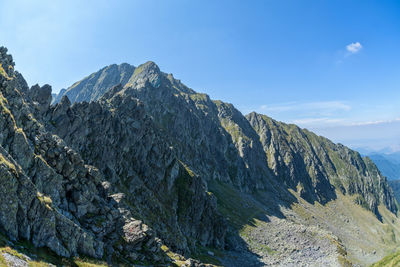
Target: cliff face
[
  {"x": 253, "y": 152},
  {"x": 201, "y": 130},
  {"x": 45, "y": 193},
  {"x": 315, "y": 167},
  {"x": 116, "y": 134},
  {"x": 95, "y": 85},
  {"x": 137, "y": 198}
]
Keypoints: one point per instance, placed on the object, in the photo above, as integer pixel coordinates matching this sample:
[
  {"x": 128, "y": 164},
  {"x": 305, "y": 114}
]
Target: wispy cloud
[
  {"x": 378, "y": 122},
  {"x": 318, "y": 121},
  {"x": 354, "y": 48},
  {"x": 308, "y": 114},
  {"x": 324, "y": 106}
]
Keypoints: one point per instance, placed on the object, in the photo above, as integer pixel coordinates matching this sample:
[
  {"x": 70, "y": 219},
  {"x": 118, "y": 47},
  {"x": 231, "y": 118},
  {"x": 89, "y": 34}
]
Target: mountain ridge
[
  {"x": 184, "y": 176},
  {"x": 151, "y": 74}
]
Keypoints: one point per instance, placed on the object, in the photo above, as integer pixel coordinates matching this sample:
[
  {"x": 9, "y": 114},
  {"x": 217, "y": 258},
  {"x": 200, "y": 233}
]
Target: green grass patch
[
  {"x": 203, "y": 254},
  {"x": 391, "y": 260},
  {"x": 238, "y": 210},
  {"x": 7, "y": 163},
  {"x": 4, "y": 73}
]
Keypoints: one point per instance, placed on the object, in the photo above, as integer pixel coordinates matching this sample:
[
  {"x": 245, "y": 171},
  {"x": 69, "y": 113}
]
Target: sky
[{"x": 329, "y": 66}]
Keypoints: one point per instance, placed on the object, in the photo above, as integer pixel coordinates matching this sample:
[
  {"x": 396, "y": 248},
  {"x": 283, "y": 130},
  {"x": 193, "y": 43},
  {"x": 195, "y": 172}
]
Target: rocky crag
[
  {"x": 240, "y": 147},
  {"x": 139, "y": 168},
  {"x": 55, "y": 197}
]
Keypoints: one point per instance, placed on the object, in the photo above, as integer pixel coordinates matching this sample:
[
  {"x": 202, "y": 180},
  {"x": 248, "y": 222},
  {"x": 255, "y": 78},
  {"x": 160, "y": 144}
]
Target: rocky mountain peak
[
  {"x": 147, "y": 73},
  {"x": 96, "y": 84},
  {"x": 6, "y": 64},
  {"x": 316, "y": 167},
  {"x": 149, "y": 67}
]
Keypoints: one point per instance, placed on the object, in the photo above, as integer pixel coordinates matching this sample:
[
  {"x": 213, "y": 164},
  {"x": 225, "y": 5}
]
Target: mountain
[
  {"x": 389, "y": 165},
  {"x": 96, "y": 84},
  {"x": 244, "y": 155},
  {"x": 131, "y": 166},
  {"x": 293, "y": 153},
  {"x": 54, "y": 198}
]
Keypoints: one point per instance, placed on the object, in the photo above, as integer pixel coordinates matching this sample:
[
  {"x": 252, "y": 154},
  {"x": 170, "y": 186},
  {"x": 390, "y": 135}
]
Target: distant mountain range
[{"x": 388, "y": 164}]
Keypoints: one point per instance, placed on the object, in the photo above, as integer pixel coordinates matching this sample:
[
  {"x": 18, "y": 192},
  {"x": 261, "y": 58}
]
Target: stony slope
[{"x": 198, "y": 127}]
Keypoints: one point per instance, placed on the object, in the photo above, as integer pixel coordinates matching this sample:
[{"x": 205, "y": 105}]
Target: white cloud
[
  {"x": 365, "y": 123},
  {"x": 354, "y": 48},
  {"x": 321, "y": 106},
  {"x": 317, "y": 121}
]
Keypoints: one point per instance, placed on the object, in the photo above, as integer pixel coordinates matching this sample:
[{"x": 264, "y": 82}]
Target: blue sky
[{"x": 330, "y": 66}]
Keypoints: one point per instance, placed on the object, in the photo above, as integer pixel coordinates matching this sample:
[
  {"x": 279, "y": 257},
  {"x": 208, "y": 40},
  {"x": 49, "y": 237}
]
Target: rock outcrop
[
  {"x": 55, "y": 197},
  {"x": 253, "y": 152},
  {"x": 315, "y": 167},
  {"x": 95, "y": 85},
  {"x": 115, "y": 134}
]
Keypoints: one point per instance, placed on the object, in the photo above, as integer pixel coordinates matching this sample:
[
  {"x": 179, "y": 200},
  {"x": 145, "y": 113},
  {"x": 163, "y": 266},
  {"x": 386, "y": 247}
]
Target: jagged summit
[
  {"x": 96, "y": 179},
  {"x": 315, "y": 166},
  {"x": 147, "y": 72},
  {"x": 149, "y": 67},
  {"x": 6, "y": 63},
  {"x": 263, "y": 153},
  {"x": 95, "y": 85}
]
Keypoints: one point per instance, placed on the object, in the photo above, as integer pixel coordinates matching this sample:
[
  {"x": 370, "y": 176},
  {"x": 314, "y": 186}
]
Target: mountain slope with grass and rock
[{"x": 131, "y": 166}]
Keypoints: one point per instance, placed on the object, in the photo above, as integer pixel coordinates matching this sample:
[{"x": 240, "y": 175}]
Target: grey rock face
[
  {"x": 95, "y": 85},
  {"x": 116, "y": 134},
  {"x": 395, "y": 185},
  {"x": 315, "y": 166},
  {"x": 218, "y": 142},
  {"x": 200, "y": 130},
  {"x": 50, "y": 196},
  {"x": 41, "y": 97}
]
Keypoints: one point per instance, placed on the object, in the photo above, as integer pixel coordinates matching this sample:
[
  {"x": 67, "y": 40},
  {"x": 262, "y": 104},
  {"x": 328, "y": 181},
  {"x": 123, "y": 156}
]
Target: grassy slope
[{"x": 391, "y": 260}]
